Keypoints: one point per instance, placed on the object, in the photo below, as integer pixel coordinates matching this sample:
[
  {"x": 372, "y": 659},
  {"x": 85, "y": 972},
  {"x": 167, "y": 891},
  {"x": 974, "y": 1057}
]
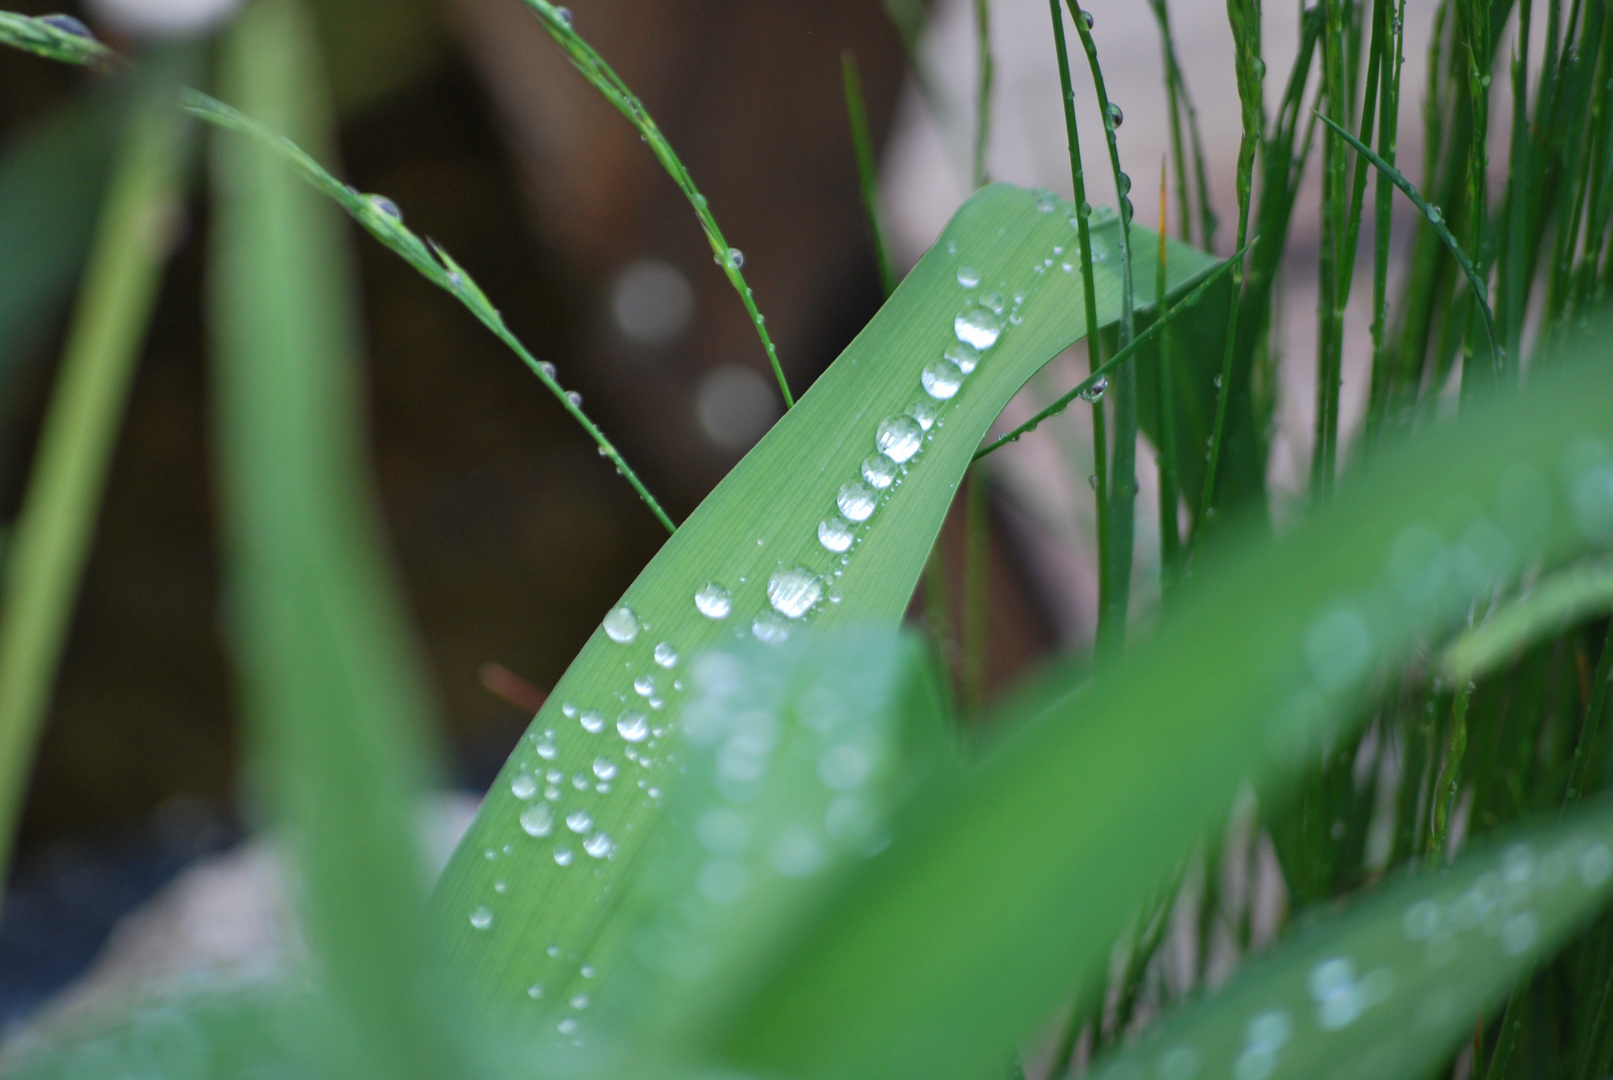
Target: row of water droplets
[{"x": 1498, "y": 906}]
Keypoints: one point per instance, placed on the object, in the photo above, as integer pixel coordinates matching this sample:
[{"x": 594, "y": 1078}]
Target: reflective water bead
[
  {"x": 964, "y": 355},
  {"x": 535, "y": 991},
  {"x": 563, "y": 856},
  {"x": 1095, "y": 391},
  {"x": 994, "y": 301},
  {"x": 644, "y": 685},
  {"x": 794, "y": 592},
  {"x": 941, "y": 379},
  {"x": 537, "y": 820},
  {"x": 769, "y": 629},
  {"x": 524, "y": 786},
  {"x": 621, "y": 625},
  {"x": 592, "y": 722},
  {"x": 1116, "y": 117},
  {"x": 968, "y": 277},
  {"x": 713, "y": 601},
  {"x": 835, "y": 534},
  {"x": 575, "y": 399},
  {"x": 386, "y": 207},
  {"x": 1435, "y": 215},
  {"x": 604, "y": 768},
  {"x": 1086, "y": 17},
  {"x": 482, "y": 917},
  {"x": 599, "y": 846},
  {"x": 634, "y": 727},
  {"x": 666, "y": 656},
  {"x": 857, "y": 501},
  {"x": 899, "y": 438},
  {"x": 579, "y": 821},
  {"x": 879, "y": 471},
  {"x": 978, "y": 326},
  {"x": 923, "y": 412},
  {"x": 546, "y": 748},
  {"x": 564, "y": 15},
  {"x": 1123, "y": 184},
  {"x": 67, "y": 25},
  {"x": 548, "y": 370}
]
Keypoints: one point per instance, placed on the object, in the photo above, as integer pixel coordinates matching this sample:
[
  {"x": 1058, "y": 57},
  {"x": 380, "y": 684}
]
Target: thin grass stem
[
  {"x": 983, "y": 77},
  {"x": 867, "y": 173},
  {"x": 1170, "y": 539}
]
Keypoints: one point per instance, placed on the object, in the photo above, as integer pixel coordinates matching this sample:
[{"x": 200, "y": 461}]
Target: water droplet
[
  {"x": 968, "y": 277},
  {"x": 592, "y": 722},
  {"x": 952, "y": 247},
  {"x": 535, "y": 991},
  {"x": 634, "y": 727},
  {"x": 548, "y": 370},
  {"x": 977, "y": 326},
  {"x": 537, "y": 820},
  {"x": 769, "y": 629},
  {"x": 564, "y": 15},
  {"x": 1086, "y": 17},
  {"x": 1435, "y": 215},
  {"x": 899, "y": 438},
  {"x": 644, "y": 685},
  {"x": 563, "y": 856},
  {"x": 578, "y": 821},
  {"x": 524, "y": 786},
  {"x": 1095, "y": 391},
  {"x": 1116, "y": 117},
  {"x": 575, "y": 399},
  {"x": 482, "y": 917},
  {"x": 879, "y": 471},
  {"x": 963, "y": 355},
  {"x": 941, "y": 379},
  {"x": 604, "y": 768},
  {"x": 599, "y": 846},
  {"x": 1092, "y": 481},
  {"x": 621, "y": 625},
  {"x": 994, "y": 301},
  {"x": 795, "y": 592},
  {"x": 385, "y": 207},
  {"x": 67, "y": 25},
  {"x": 835, "y": 533},
  {"x": 857, "y": 501},
  {"x": 736, "y": 258},
  {"x": 666, "y": 656},
  {"x": 923, "y": 411},
  {"x": 713, "y": 601},
  {"x": 1123, "y": 184},
  {"x": 553, "y": 952}
]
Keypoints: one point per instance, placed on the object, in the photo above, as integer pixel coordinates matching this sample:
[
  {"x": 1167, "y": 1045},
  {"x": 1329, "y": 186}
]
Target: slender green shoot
[
  {"x": 557, "y": 20},
  {"x": 984, "y": 77},
  {"x": 867, "y": 173},
  {"x": 1170, "y": 540},
  {"x": 1178, "y": 102},
  {"x": 1089, "y": 388},
  {"x": 1436, "y": 219},
  {"x": 56, "y": 526}
]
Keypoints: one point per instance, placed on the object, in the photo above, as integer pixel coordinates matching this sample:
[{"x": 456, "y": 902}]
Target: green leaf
[
  {"x": 1560, "y": 600},
  {"x": 331, "y": 681},
  {"x": 760, "y": 529},
  {"x": 966, "y": 934},
  {"x": 1389, "y": 989}
]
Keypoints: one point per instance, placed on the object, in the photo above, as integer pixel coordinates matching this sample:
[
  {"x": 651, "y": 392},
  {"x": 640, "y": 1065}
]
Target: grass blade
[
  {"x": 56, "y": 525},
  {"x": 1558, "y": 601},
  {"x": 867, "y": 173},
  {"x": 983, "y": 78}
]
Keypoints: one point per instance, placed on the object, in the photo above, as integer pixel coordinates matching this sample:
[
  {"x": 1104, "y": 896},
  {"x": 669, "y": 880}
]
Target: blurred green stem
[
  {"x": 867, "y": 172},
  {"x": 56, "y": 526},
  {"x": 983, "y": 98}
]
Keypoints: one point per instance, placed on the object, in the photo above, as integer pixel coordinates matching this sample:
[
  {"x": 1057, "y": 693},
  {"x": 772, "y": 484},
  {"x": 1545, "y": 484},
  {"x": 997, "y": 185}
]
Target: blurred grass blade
[
  {"x": 1395, "y": 984},
  {"x": 862, "y": 144},
  {"x": 1436, "y": 219},
  {"x": 1555, "y": 602},
  {"x": 49, "y": 37},
  {"x": 966, "y": 934},
  {"x": 56, "y": 526},
  {"x": 332, "y": 686},
  {"x": 557, "y": 20},
  {"x": 846, "y": 548}
]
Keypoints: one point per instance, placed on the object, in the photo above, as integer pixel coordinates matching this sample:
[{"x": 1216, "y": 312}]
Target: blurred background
[{"x": 513, "y": 536}]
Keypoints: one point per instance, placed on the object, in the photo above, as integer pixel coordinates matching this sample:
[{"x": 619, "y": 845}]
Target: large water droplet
[
  {"x": 835, "y": 533},
  {"x": 666, "y": 656},
  {"x": 482, "y": 917},
  {"x": 600, "y": 847},
  {"x": 1116, "y": 117},
  {"x": 644, "y": 685},
  {"x": 795, "y": 592},
  {"x": 524, "y": 786},
  {"x": 386, "y": 207},
  {"x": 604, "y": 768},
  {"x": 880, "y": 471},
  {"x": 579, "y": 821},
  {"x": 769, "y": 629},
  {"x": 994, "y": 301},
  {"x": 978, "y": 326},
  {"x": 592, "y": 722},
  {"x": 1095, "y": 391},
  {"x": 924, "y": 411},
  {"x": 67, "y": 25},
  {"x": 857, "y": 501},
  {"x": 941, "y": 379},
  {"x": 1435, "y": 215},
  {"x": 563, "y": 856},
  {"x": 713, "y": 601},
  {"x": 621, "y": 625},
  {"x": 537, "y": 820},
  {"x": 899, "y": 438},
  {"x": 634, "y": 727},
  {"x": 964, "y": 355},
  {"x": 968, "y": 277}
]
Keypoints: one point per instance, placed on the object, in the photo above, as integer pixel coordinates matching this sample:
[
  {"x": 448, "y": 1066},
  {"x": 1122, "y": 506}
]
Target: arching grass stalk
[
  {"x": 557, "y": 21},
  {"x": 1244, "y": 16},
  {"x": 1436, "y": 219},
  {"x": 381, "y": 219},
  {"x": 1086, "y": 389},
  {"x": 867, "y": 174},
  {"x": 1089, "y": 298},
  {"x": 1123, "y": 390},
  {"x": 1179, "y": 101},
  {"x": 982, "y": 91},
  {"x": 377, "y": 215}
]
